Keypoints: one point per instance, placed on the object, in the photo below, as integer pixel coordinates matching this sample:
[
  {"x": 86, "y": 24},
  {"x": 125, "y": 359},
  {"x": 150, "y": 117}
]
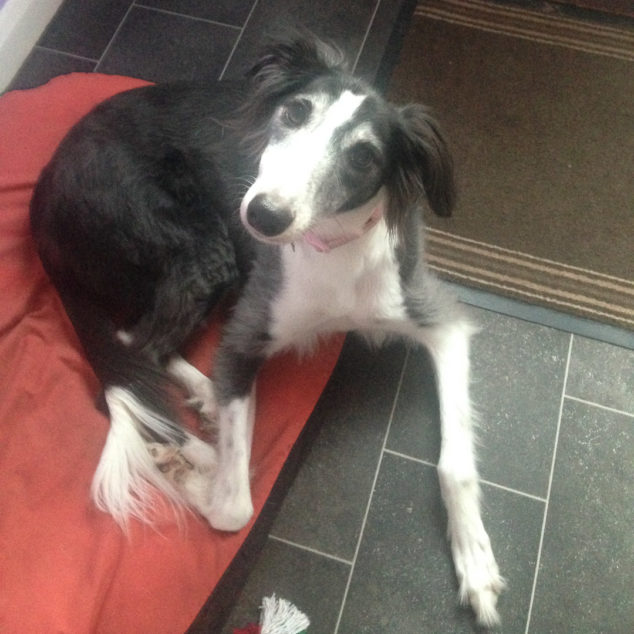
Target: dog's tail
[{"x": 136, "y": 391}]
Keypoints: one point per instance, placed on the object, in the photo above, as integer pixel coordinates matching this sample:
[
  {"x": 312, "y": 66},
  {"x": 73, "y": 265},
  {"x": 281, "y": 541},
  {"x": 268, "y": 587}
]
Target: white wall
[{"x": 21, "y": 24}]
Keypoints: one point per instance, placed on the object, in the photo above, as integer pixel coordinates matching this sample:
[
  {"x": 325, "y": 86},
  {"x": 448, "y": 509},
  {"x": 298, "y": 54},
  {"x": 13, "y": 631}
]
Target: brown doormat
[{"x": 539, "y": 111}]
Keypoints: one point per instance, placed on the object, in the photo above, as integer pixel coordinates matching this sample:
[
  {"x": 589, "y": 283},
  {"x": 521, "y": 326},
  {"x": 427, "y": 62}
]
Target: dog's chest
[{"x": 354, "y": 287}]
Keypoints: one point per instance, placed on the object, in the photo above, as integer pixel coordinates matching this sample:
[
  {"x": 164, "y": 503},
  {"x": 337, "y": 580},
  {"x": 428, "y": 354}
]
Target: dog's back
[{"x": 132, "y": 221}]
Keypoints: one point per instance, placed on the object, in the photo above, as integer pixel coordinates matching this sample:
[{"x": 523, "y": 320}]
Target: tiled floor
[
  {"x": 360, "y": 542},
  {"x": 364, "y": 519}
]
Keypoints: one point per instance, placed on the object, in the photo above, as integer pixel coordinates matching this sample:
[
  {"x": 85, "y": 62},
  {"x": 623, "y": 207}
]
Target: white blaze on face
[{"x": 290, "y": 167}]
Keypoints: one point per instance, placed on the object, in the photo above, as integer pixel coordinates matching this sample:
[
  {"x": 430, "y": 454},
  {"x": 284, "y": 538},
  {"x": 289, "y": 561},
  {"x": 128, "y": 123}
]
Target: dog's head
[{"x": 332, "y": 149}]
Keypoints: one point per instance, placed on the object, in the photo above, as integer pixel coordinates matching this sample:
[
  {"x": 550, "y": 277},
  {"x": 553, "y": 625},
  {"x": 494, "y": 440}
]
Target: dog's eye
[
  {"x": 361, "y": 156},
  {"x": 296, "y": 113}
]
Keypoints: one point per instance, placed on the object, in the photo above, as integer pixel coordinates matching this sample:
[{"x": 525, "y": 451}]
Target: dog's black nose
[{"x": 266, "y": 217}]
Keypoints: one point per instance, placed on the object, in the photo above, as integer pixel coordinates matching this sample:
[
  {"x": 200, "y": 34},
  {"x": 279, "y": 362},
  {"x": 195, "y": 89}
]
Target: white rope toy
[{"x": 280, "y": 616}]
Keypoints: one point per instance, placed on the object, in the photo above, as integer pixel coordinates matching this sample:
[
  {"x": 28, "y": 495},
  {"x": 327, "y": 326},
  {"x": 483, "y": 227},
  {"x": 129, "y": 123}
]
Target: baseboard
[
  {"x": 21, "y": 24},
  {"x": 544, "y": 316}
]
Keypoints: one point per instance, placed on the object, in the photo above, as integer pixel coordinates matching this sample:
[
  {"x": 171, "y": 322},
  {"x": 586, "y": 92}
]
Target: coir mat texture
[{"x": 539, "y": 110}]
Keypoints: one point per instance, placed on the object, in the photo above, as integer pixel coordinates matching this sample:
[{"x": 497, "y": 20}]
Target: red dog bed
[{"x": 64, "y": 566}]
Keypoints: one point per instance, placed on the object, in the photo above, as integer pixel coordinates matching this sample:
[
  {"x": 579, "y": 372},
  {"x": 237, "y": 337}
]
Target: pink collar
[{"x": 325, "y": 244}]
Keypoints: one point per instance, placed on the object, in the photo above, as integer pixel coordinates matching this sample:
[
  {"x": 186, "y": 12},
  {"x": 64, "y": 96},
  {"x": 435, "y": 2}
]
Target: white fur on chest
[{"x": 353, "y": 287}]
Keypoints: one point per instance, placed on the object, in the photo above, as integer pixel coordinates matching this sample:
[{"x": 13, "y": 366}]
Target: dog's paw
[
  {"x": 199, "y": 388},
  {"x": 230, "y": 507},
  {"x": 203, "y": 401},
  {"x": 483, "y": 599},
  {"x": 170, "y": 462},
  {"x": 190, "y": 468},
  {"x": 480, "y": 580},
  {"x": 230, "y": 517}
]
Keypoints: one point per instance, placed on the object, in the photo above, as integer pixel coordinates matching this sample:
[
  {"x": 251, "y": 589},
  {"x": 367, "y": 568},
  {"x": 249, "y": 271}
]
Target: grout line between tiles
[
  {"x": 59, "y": 52},
  {"x": 235, "y": 45},
  {"x": 365, "y": 36},
  {"x": 114, "y": 35},
  {"x": 550, "y": 484},
  {"x": 599, "y": 406},
  {"x": 321, "y": 553},
  {"x": 481, "y": 480},
  {"x": 495, "y": 485},
  {"x": 185, "y": 15},
  {"x": 371, "y": 496},
  {"x": 407, "y": 457}
]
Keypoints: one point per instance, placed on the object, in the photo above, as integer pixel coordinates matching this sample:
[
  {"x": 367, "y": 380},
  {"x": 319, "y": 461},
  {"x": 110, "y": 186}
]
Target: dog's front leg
[
  {"x": 476, "y": 569},
  {"x": 230, "y": 502},
  {"x": 230, "y": 506}
]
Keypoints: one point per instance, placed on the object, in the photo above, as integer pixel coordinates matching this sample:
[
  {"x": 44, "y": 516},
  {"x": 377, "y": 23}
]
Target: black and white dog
[{"x": 137, "y": 223}]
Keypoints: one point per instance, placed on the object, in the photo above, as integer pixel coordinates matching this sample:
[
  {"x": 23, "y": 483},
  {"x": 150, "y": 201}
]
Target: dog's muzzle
[{"x": 266, "y": 217}]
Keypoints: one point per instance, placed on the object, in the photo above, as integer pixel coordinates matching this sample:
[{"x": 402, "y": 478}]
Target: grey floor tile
[
  {"x": 518, "y": 373},
  {"x": 232, "y": 12},
  {"x": 315, "y": 584},
  {"x": 158, "y": 46},
  {"x": 404, "y": 581},
  {"x": 602, "y": 373},
  {"x": 42, "y": 65},
  {"x": 327, "y": 501},
  {"x": 586, "y": 576},
  {"x": 415, "y": 429},
  {"x": 84, "y": 27},
  {"x": 518, "y": 379},
  {"x": 345, "y": 23}
]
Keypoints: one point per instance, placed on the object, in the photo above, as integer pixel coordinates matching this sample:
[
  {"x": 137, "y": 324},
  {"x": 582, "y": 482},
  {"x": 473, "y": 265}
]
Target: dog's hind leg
[
  {"x": 182, "y": 299},
  {"x": 189, "y": 467},
  {"x": 180, "y": 305},
  {"x": 141, "y": 449},
  {"x": 476, "y": 569}
]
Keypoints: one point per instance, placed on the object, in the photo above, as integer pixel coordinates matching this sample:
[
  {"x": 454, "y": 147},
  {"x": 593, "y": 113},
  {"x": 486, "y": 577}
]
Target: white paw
[
  {"x": 479, "y": 577},
  {"x": 484, "y": 600},
  {"x": 199, "y": 387},
  {"x": 204, "y": 402},
  {"x": 190, "y": 468},
  {"x": 230, "y": 509},
  {"x": 170, "y": 461},
  {"x": 230, "y": 518}
]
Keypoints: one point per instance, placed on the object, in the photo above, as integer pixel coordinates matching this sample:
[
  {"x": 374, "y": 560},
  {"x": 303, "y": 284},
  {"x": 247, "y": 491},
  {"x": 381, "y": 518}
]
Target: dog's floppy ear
[
  {"x": 423, "y": 160},
  {"x": 287, "y": 65}
]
